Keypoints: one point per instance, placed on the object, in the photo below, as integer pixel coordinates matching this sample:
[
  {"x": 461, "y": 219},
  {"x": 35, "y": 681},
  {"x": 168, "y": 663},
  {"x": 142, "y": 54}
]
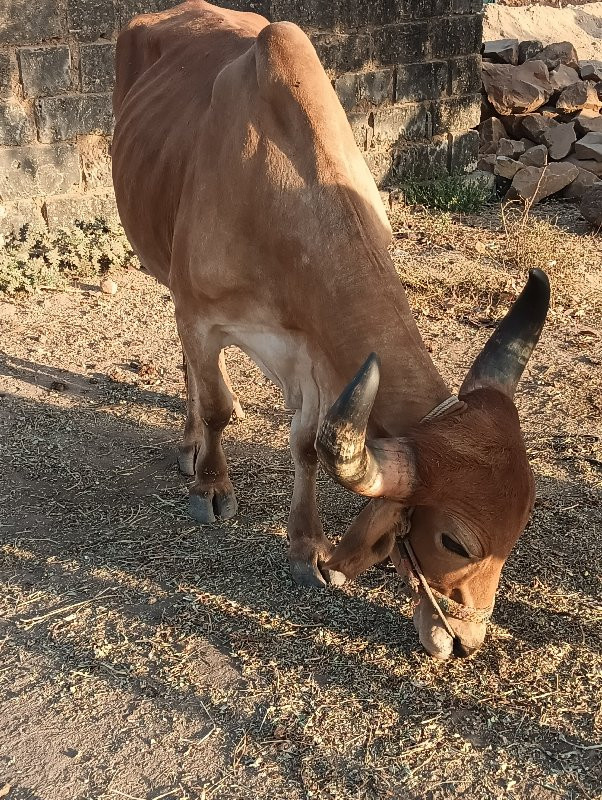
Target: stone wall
[{"x": 406, "y": 71}]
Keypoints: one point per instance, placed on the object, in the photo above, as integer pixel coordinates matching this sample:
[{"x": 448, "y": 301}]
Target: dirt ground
[
  {"x": 142, "y": 656},
  {"x": 580, "y": 24}
]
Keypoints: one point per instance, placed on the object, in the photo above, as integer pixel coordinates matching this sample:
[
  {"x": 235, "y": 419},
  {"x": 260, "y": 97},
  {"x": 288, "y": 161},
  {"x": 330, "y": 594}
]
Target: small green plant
[
  {"x": 451, "y": 193},
  {"x": 34, "y": 259}
]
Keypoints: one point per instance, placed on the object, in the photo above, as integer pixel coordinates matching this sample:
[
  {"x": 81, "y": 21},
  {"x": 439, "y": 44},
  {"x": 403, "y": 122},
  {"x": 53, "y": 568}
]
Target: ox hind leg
[
  {"x": 309, "y": 548},
  {"x": 209, "y": 408}
]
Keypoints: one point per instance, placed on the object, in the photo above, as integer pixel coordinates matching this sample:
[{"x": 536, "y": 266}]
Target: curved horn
[
  {"x": 382, "y": 468},
  {"x": 502, "y": 361}
]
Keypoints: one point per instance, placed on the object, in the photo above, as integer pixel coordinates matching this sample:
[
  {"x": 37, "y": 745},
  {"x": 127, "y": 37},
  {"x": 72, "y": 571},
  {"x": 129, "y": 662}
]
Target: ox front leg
[
  {"x": 309, "y": 548},
  {"x": 210, "y": 407}
]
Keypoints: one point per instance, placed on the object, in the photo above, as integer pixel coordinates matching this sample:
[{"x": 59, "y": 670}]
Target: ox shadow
[{"x": 113, "y": 504}]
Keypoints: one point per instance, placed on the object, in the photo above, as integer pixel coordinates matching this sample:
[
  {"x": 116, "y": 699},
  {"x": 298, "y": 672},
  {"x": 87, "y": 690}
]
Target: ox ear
[
  {"x": 369, "y": 539},
  {"x": 501, "y": 362}
]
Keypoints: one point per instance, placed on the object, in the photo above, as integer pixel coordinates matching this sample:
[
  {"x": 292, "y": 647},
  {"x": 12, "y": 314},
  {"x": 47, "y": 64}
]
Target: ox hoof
[
  {"x": 310, "y": 575},
  {"x": 186, "y": 460},
  {"x": 204, "y": 508}
]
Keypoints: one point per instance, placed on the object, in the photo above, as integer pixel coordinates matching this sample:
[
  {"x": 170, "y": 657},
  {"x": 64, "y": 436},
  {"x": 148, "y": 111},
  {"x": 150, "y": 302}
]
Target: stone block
[
  {"x": 95, "y": 161},
  {"x": 62, "y": 212},
  {"x": 465, "y": 75},
  {"x": 63, "y": 118},
  {"x": 130, "y": 8},
  {"x": 342, "y": 14},
  {"x": 7, "y": 70},
  {"x": 424, "y": 9},
  {"x": 14, "y": 215},
  {"x": 456, "y": 114},
  {"x": 425, "y": 81},
  {"x": 45, "y": 70},
  {"x": 91, "y": 20},
  {"x": 455, "y": 36},
  {"x": 97, "y": 66},
  {"x": 404, "y": 43},
  {"x": 421, "y": 160},
  {"x": 466, "y": 6},
  {"x": 25, "y": 21},
  {"x": 38, "y": 170},
  {"x": 463, "y": 152},
  {"x": 379, "y": 130},
  {"x": 16, "y": 126},
  {"x": 365, "y": 89},
  {"x": 342, "y": 52}
]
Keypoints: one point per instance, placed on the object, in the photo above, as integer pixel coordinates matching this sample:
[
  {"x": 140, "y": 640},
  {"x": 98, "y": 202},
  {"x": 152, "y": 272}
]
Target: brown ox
[{"x": 241, "y": 188}]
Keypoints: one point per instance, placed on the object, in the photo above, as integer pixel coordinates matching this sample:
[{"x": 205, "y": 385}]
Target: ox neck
[{"x": 381, "y": 321}]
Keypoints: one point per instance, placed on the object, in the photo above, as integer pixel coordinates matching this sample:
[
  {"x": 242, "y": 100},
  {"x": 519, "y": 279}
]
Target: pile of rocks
[{"x": 541, "y": 122}]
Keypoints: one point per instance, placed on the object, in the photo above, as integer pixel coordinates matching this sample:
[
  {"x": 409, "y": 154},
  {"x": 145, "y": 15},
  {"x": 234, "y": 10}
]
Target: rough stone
[
  {"x": 506, "y": 167},
  {"x": 528, "y": 50},
  {"x": 24, "y": 21},
  {"x": 559, "y": 53},
  {"x": 510, "y": 148},
  {"x": 536, "y": 156},
  {"x": 16, "y": 127},
  {"x": 517, "y": 90},
  {"x": 578, "y": 96},
  {"x": 590, "y": 147},
  {"x": 63, "y": 118},
  {"x": 527, "y": 142},
  {"x": 38, "y": 170},
  {"x": 97, "y": 66},
  {"x": 560, "y": 140},
  {"x": 490, "y": 132},
  {"x": 577, "y": 188},
  {"x": 586, "y": 163},
  {"x": 501, "y": 51},
  {"x": 534, "y": 126},
  {"x": 45, "y": 70},
  {"x": 591, "y": 205},
  {"x": 513, "y": 125},
  {"x": 563, "y": 76},
  {"x": 591, "y": 69},
  {"x": 532, "y": 184},
  {"x": 486, "y": 163},
  {"x": 417, "y": 82},
  {"x": 588, "y": 122},
  {"x": 483, "y": 179}
]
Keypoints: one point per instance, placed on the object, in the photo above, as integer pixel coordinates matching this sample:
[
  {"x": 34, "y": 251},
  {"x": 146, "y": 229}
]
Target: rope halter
[{"x": 408, "y": 568}]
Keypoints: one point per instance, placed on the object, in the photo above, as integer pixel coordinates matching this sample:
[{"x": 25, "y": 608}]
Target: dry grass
[
  {"x": 145, "y": 657},
  {"x": 475, "y": 266}
]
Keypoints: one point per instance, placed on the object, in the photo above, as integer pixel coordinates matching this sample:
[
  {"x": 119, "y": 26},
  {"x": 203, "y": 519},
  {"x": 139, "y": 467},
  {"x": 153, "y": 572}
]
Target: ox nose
[{"x": 461, "y": 650}]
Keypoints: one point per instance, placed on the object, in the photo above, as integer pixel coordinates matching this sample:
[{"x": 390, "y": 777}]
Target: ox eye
[{"x": 453, "y": 546}]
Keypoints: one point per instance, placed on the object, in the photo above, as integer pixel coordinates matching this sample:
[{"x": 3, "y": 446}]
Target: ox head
[{"x": 465, "y": 475}]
